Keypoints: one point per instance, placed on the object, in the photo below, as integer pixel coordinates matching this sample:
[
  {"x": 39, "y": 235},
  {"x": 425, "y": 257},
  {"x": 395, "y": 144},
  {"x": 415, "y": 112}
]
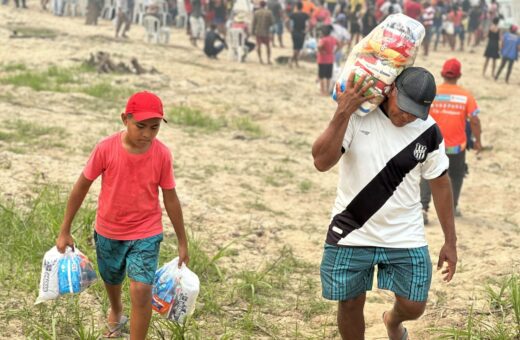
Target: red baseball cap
[
  {"x": 144, "y": 105},
  {"x": 451, "y": 68}
]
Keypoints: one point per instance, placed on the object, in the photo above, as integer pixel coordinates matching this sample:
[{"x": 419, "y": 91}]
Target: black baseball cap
[{"x": 416, "y": 90}]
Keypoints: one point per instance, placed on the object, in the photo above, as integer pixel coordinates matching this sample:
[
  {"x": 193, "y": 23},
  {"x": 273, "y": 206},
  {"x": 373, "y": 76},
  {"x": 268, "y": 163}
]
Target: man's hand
[
  {"x": 64, "y": 240},
  {"x": 183, "y": 255},
  {"x": 448, "y": 254},
  {"x": 351, "y": 97},
  {"x": 477, "y": 146}
]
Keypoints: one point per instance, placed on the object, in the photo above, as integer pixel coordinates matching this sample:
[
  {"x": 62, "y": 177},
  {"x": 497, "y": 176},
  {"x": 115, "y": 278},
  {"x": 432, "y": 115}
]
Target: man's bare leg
[
  {"x": 351, "y": 321},
  {"x": 403, "y": 310},
  {"x": 259, "y": 51}
]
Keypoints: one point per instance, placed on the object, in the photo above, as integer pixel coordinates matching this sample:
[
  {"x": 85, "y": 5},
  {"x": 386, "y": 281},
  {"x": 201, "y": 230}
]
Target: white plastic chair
[
  {"x": 155, "y": 32},
  {"x": 139, "y": 12},
  {"x": 109, "y": 10},
  {"x": 237, "y": 44}
]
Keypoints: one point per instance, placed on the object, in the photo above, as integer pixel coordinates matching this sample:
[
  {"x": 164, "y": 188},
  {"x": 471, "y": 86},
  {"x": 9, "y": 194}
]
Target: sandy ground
[{"x": 231, "y": 184}]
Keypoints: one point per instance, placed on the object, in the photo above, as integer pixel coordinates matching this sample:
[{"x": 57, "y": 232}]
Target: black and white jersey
[{"x": 378, "y": 195}]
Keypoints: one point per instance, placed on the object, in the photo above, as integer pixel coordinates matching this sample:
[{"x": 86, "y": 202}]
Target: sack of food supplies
[
  {"x": 175, "y": 291},
  {"x": 67, "y": 273},
  {"x": 382, "y": 55}
]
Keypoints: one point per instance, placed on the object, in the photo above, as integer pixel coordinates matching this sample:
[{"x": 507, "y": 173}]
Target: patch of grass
[
  {"x": 107, "y": 91},
  {"x": 35, "y": 32},
  {"x": 14, "y": 67},
  {"x": 29, "y": 133},
  {"x": 53, "y": 79},
  {"x": 500, "y": 321},
  {"x": 305, "y": 185},
  {"x": 247, "y": 125},
  {"x": 192, "y": 117},
  {"x": 56, "y": 79}
]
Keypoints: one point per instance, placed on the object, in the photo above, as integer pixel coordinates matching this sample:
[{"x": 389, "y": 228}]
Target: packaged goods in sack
[
  {"x": 175, "y": 291},
  {"x": 67, "y": 273},
  {"x": 382, "y": 55},
  {"x": 49, "y": 277}
]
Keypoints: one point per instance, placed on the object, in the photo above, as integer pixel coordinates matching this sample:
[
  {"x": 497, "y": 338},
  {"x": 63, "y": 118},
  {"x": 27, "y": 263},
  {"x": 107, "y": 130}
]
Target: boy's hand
[
  {"x": 64, "y": 240},
  {"x": 183, "y": 255}
]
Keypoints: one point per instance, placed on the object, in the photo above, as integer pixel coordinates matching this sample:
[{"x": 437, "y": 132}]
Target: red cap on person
[
  {"x": 144, "y": 105},
  {"x": 451, "y": 68},
  {"x": 514, "y": 28}
]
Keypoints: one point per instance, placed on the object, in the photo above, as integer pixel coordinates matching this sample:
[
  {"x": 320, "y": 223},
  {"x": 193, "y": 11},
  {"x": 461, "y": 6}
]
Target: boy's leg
[
  {"x": 141, "y": 264},
  {"x": 141, "y": 299},
  {"x": 116, "y": 305}
]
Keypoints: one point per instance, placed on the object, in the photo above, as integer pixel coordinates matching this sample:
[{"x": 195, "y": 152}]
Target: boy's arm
[
  {"x": 173, "y": 208},
  {"x": 77, "y": 195}
]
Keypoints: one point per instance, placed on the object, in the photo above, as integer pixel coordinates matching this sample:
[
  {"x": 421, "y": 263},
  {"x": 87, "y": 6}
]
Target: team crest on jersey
[{"x": 420, "y": 152}]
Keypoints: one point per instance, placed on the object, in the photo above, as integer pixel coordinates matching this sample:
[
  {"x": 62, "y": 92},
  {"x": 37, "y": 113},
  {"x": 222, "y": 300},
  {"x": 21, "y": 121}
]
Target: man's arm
[
  {"x": 76, "y": 198},
  {"x": 326, "y": 150},
  {"x": 443, "y": 200},
  {"x": 173, "y": 208},
  {"x": 474, "y": 123}
]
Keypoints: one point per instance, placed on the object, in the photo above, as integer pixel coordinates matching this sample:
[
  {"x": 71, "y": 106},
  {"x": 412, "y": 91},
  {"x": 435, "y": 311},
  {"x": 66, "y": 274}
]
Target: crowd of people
[{"x": 458, "y": 24}]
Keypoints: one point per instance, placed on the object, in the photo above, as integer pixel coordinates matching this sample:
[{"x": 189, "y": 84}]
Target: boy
[
  {"x": 128, "y": 231},
  {"x": 325, "y": 59}
]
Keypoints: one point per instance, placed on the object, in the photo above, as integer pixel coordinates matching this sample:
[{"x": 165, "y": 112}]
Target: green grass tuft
[{"x": 192, "y": 117}]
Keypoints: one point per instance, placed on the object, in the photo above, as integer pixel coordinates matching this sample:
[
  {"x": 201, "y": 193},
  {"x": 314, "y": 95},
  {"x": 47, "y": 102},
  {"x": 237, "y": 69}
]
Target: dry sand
[{"x": 230, "y": 184}]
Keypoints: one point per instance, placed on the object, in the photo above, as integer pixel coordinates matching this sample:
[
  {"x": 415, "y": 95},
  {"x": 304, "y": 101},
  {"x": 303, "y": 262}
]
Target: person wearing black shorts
[
  {"x": 325, "y": 58},
  {"x": 297, "y": 25}
]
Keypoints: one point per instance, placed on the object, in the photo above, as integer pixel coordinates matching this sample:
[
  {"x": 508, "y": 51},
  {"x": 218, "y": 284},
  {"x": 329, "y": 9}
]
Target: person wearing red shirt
[
  {"x": 133, "y": 165},
  {"x": 325, "y": 58}
]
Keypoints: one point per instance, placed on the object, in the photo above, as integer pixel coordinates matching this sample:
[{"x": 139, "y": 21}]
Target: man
[
  {"x": 197, "y": 25},
  {"x": 262, "y": 22},
  {"x": 278, "y": 14},
  {"x": 427, "y": 17},
  {"x": 213, "y": 43},
  {"x": 297, "y": 24},
  {"x": 376, "y": 217},
  {"x": 122, "y": 17},
  {"x": 452, "y": 107}
]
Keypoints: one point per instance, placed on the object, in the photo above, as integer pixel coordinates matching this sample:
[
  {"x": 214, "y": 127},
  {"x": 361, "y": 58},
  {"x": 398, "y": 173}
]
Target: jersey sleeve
[
  {"x": 167, "y": 180},
  {"x": 472, "y": 107},
  {"x": 436, "y": 163},
  {"x": 96, "y": 164},
  {"x": 349, "y": 134}
]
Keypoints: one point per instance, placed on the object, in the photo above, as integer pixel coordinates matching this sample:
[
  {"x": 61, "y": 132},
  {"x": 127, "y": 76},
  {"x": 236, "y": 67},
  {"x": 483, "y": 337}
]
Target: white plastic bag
[
  {"x": 382, "y": 55},
  {"x": 49, "y": 277},
  {"x": 175, "y": 291},
  {"x": 67, "y": 273}
]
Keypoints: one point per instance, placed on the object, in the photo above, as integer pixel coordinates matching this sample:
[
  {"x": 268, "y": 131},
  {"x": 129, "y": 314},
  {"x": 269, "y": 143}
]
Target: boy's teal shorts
[
  {"x": 138, "y": 258},
  {"x": 347, "y": 272}
]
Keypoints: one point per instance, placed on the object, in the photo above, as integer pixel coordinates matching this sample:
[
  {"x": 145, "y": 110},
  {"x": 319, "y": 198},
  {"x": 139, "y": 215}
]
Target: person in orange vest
[{"x": 452, "y": 107}]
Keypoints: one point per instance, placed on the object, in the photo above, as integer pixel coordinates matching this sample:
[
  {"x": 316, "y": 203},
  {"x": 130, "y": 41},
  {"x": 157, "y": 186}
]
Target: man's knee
[{"x": 352, "y": 305}]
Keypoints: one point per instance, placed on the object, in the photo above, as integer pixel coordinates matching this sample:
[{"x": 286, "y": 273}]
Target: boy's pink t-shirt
[
  {"x": 128, "y": 205},
  {"x": 326, "y": 53}
]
